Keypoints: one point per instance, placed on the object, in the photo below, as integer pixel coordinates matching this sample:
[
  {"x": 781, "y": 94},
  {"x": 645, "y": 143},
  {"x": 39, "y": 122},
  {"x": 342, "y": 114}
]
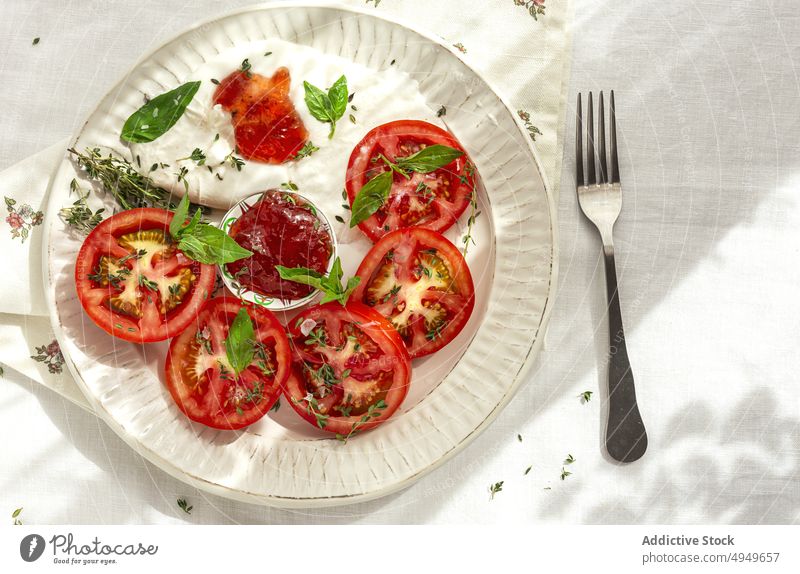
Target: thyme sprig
[
  {"x": 469, "y": 172},
  {"x": 79, "y": 216},
  {"x": 119, "y": 178},
  {"x": 373, "y": 411}
]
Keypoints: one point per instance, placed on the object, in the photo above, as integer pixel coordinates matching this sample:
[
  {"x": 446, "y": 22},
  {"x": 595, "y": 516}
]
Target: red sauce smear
[
  {"x": 265, "y": 121},
  {"x": 280, "y": 229}
]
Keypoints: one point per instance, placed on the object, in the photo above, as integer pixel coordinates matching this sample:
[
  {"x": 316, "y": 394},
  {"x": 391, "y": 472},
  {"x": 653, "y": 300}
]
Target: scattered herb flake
[
  {"x": 246, "y": 67},
  {"x": 306, "y": 150},
  {"x": 495, "y": 488},
  {"x": 585, "y": 396},
  {"x": 35, "y": 41},
  {"x": 183, "y": 505}
]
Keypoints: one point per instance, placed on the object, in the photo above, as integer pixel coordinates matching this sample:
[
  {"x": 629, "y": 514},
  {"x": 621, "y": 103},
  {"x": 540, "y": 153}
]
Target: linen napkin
[{"x": 522, "y": 47}]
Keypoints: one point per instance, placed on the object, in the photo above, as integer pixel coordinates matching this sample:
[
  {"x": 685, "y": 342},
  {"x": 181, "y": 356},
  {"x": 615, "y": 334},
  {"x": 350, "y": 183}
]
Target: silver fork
[{"x": 600, "y": 198}]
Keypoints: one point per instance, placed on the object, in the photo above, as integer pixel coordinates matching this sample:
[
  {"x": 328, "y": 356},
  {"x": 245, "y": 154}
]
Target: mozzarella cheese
[{"x": 379, "y": 96}]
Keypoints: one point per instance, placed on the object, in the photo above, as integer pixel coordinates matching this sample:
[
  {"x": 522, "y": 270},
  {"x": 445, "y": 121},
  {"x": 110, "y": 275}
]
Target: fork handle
[{"x": 626, "y": 439}]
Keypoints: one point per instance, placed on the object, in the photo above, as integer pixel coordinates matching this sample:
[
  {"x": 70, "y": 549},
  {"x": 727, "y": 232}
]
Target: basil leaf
[
  {"x": 335, "y": 276},
  {"x": 330, "y": 285},
  {"x": 210, "y": 245},
  {"x": 157, "y": 116},
  {"x": 352, "y": 283},
  {"x": 338, "y": 94},
  {"x": 371, "y": 197},
  {"x": 429, "y": 159},
  {"x": 318, "y": 102},
  {"x": 328, "y": 107},
  {"x": 193, "y": 223},
  {"x": 179, "y": 217},
  {"x": 301, "y": 275},
  {"x": 239, "y": 343}
]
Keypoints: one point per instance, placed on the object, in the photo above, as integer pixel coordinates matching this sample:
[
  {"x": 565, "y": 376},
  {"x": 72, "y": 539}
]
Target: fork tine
[
  {"x": 601, "y": 128},
  {"x": 614, "y": 159},
  {"x": 591, "y": 176},
  {"x": 579, "y": 144}
]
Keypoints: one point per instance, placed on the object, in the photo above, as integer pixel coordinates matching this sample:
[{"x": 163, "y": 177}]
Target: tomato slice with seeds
[
  {"x": 266, "y": 124},
  {"x": 420, "y": 282},
  {"x": 200, "y": 377},
  {"x": 134, "y": 282},
  {"x": 431, "y": 200},
  {"x": 350, "y": 368}
]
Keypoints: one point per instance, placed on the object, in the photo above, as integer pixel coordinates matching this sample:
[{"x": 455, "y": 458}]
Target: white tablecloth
[{"x": 708, "y": 249}]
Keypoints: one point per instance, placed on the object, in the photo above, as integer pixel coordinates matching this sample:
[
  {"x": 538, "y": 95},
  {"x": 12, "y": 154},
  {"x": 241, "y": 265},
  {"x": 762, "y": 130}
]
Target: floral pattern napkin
[{"x": 533, "y": 79}]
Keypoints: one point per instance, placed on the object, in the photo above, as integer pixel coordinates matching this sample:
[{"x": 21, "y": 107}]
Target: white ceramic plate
[{"x": 455, "y": 394}]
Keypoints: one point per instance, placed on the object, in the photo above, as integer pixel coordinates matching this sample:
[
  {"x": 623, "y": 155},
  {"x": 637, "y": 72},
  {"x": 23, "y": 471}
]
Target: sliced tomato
[
  {"x": 351, "y": 370},
  {"x": 134, "y": 282},
  {"x": 431, "y": 200},
  {"x": 200, "y": 377},
  {"x": 419, "y": 281},
  {"x": 266, "y": 124}
]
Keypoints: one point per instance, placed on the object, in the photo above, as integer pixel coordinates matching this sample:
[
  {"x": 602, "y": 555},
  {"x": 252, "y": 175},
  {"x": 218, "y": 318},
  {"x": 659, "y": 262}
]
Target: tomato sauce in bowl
[{"x": 280, "y": 228}]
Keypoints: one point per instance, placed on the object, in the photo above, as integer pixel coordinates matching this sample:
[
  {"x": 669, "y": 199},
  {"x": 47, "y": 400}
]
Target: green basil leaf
[
  {"x": 179, "y": 217},
  {"x": 239, "y": 343},
  {"x": 338, "y": 94},
  {"x": 371, "y": 197},
  {"x": 301, "y": 275},
  {"x": 210, "y": 245},
  {"x": 429, "y": 159},
  {"x": 193, "y": 223},
  {"x": 330, "y": 296},
  {"x": 318, "y": 102},
  {"x": 352, "y": 283},
  {"x": 330, "y": 285},
  {"x": 335, "y": 276},
  {"x": 153, "y": 119}
]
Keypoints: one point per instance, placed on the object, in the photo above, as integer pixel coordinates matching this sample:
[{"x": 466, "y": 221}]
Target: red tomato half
[
  {"x": 351, "y": 370},
  {"x": 430, "y": 200},
  {"x": 419, "y": 281},
  {"x": 133, "y": 281},
  {"x": 200, "y": 377}
]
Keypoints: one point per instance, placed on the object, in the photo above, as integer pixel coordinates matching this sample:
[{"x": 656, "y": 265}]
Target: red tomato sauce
[
  {"x": 265, "y": 121},
  {"x": 280, "y": 229}
]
